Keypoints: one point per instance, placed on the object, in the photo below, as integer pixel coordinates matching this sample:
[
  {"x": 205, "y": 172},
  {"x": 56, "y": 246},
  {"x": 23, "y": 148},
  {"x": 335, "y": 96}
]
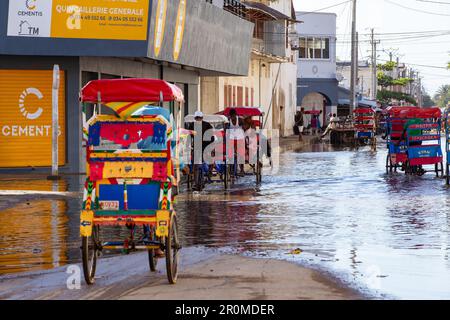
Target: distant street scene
[{"x": 224, "y": 150}]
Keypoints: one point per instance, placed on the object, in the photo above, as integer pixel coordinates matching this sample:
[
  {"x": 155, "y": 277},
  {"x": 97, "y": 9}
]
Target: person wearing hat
[{"x": 200, "y": 127}]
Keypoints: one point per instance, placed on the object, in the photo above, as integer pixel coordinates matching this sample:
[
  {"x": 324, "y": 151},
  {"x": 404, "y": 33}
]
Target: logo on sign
[
  {"x": 31, "y": 4},
  {"x": 22, "y": 107}
]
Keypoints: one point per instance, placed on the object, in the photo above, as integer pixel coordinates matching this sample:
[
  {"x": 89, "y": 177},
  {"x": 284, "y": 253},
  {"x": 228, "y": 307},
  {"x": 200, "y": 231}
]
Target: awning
[
  {"x": 130, "y": 90},
  {"x": 260, "y": 11}
]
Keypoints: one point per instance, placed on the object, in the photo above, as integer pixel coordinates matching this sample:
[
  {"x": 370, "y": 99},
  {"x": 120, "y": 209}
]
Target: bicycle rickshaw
[
  {"x": 447, "y": 144},
  {"x": 131, "y": 180},
  {"x": 364, "y": 124},
  {"x": 219, "y": 168},
  {"x": 253, "y": 156},
  {"x": 414, "y": 140}
]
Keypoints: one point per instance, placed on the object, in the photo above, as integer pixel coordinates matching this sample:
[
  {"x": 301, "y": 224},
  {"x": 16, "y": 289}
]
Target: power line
[
  {"x": 335, "y": 5},
  {"x": 419, "y": 65},
  {"x": 438, "y": 2},
  {"x": 417, "y": 10}
]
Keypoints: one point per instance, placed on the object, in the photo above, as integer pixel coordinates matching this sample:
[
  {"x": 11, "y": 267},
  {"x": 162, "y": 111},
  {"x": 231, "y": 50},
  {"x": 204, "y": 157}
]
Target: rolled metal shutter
[{"x": 26, "y": 118}]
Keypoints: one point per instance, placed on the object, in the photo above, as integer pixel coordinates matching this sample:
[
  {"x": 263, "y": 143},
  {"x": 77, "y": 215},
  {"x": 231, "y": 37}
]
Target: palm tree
[{"x": 442, "y": 96}]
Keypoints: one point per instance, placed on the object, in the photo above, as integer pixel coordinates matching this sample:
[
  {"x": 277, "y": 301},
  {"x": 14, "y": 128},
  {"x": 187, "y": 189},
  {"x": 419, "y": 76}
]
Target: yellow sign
[
  {"x": 26, "y": 118},
  {"x": 160, "y": 25},
  {"x": 100, "y": 19},
  {"x": 179, "y": 29}
]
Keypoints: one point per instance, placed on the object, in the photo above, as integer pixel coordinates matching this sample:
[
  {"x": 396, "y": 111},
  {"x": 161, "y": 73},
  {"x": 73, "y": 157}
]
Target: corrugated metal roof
[{"x": 275, "y": 14}]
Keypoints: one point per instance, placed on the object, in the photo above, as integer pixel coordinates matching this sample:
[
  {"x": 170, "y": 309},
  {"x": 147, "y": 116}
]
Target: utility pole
[
  {"x": 354, "y": 66},
  {"x": 420, "y": 92},
  {"x": 357, "y": 82},
  {"x": 374, "y": 65}
]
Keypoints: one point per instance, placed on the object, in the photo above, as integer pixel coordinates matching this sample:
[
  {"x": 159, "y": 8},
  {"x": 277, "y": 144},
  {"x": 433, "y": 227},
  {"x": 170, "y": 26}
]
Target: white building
[
  {"x": 271, "y": 80},
  {"x": 317, "y": 84},
  {"x": 364, "y": 83}
]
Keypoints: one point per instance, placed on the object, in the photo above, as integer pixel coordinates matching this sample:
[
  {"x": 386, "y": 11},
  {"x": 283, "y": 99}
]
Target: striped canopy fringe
[{"x": 125, "y": 109}]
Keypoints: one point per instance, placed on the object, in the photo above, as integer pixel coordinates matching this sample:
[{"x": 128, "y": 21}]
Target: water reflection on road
[{"x": 389, "y": 233}]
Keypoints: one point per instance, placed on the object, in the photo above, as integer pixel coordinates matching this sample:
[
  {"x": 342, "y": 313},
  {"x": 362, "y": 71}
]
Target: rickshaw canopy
[
  {"x": 210, "y": 118},
  {"x": 243, "y": 111},
  {"x": 130, "y": 90},
  {"x": 414, "y": 112},
  {"x": 363, "y": 110},
  {"x": 313, "y": 112}
]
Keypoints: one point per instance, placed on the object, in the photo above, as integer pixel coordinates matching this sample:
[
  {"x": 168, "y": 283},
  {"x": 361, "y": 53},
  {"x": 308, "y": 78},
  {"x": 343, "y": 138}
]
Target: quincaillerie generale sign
[{"x": 79, "y": 19}]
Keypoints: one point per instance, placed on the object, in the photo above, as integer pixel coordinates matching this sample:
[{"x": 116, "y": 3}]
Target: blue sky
[{"x": 396, "y": 16}]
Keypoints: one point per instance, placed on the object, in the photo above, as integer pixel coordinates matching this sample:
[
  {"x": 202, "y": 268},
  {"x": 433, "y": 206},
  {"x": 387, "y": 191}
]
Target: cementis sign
[
  {"x": 79, "y": 19},
  {"x": 26, "y": 118}
]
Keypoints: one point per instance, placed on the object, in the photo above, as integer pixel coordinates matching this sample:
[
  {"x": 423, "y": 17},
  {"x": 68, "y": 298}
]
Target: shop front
[{"x": 146, "y": 39}]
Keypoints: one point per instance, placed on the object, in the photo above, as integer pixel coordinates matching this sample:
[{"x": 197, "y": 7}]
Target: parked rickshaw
[
  {"x": 414, "y": 140},
  {"x": 132, "y": 165},
  {"x": 218, "y": 170},
  {"x": 447, "y": 144},
  {"x": 365, "y": 125},
  {"x": 253, "y": 156}
]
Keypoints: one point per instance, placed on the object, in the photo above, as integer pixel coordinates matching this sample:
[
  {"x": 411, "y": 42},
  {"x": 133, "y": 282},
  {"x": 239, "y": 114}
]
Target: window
[
  {"x": 310, "y": 43},
  {"x": 303, "y": 48},
  {"x": 258, "y": 31},
  {"x": 325, "y": 48},
  {"x": 314, "y": 48}
]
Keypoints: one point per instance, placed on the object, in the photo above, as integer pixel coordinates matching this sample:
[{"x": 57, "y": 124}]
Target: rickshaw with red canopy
[
  {"x": 365, "y": 125},
  {"x": 132, "y": 167},
  {"x": 414, "y": 140},
  {"x": 253, "y": 146}
]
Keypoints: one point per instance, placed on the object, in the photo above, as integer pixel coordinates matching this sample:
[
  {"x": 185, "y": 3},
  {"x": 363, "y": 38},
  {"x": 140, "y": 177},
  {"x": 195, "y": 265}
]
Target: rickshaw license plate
[{"x": 109, "y": 205}]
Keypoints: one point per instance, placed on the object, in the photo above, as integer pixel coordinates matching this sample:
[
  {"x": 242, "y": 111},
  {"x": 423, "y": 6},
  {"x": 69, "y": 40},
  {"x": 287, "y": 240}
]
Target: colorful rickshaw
[
  {"x": 253, "y": 117},
  {"x": 447, "y": 144},
  {"x": 132, "y": 165},
  {"x": 414, "y": 140},
  {"x": 217, "y": 170},
  {"x": 365, "y": 125}
]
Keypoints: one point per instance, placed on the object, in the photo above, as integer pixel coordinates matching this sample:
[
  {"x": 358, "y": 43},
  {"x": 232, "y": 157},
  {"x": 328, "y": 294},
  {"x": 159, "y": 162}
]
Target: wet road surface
[{"x": 388, "y": 234}]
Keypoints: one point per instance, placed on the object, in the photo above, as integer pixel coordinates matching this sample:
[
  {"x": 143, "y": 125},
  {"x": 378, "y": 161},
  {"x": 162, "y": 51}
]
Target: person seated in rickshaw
[
  {"x": 201, "y": 127},
  {"x": 237, "y": 139}
]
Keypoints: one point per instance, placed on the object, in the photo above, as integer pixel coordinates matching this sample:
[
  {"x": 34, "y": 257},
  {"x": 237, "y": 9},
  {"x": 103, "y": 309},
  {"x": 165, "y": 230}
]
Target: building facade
[
  {"x": 365, "y": 76},
  {"x": 317, "y": 85},
  {"x": 178, "y": 41},
  {"x": 271, "y": 79}
]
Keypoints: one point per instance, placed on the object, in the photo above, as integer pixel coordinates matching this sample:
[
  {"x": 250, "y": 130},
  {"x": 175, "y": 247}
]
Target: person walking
[
  {"x": 332, "y": 125},
  {"x": 299, "y": 123},
  {"x": 237, "y": 139}
]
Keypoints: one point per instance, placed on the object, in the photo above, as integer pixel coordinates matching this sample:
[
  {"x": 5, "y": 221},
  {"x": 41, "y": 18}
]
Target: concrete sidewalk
[{"x": 292, "y": 143}]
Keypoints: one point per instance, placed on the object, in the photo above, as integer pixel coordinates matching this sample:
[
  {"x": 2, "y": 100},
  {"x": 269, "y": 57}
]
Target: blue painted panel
[
  {"x": 140, "y": 197},
  {"x": 424, "y": 152}
]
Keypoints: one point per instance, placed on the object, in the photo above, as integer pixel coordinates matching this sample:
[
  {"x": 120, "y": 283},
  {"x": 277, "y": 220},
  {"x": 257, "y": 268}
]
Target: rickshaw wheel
[
  {"x": 152, "y": 258},
  {"x": 172, "y": 247},
  {"x": 89, "y": 252},
  {"x": 447, "y": 171},
  {"x": 439, "y": 169},
  {"x": 388, "y": 166}
]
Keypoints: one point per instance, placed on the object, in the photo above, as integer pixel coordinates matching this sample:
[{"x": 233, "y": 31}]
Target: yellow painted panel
[
  {"x": 86, "y": 221},
  {"x": 162, "y": 223},
  {"x": 128, "y": 170},
  {"x": 100, "y": 19},
  {"x": 26, "y": 118}
]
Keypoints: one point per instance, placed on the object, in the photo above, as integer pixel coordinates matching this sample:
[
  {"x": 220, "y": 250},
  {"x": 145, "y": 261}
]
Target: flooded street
[{"x": 385, "y": 234}]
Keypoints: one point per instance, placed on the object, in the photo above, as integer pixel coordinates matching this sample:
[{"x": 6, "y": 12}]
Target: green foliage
[
  {"x": 386, "y": 97},
  {"x": 442, "y": 96},
  {"x": 388, "y": 66},
  {"x": 387, "y": 81},
  {"x": 427, "y": 101}
]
